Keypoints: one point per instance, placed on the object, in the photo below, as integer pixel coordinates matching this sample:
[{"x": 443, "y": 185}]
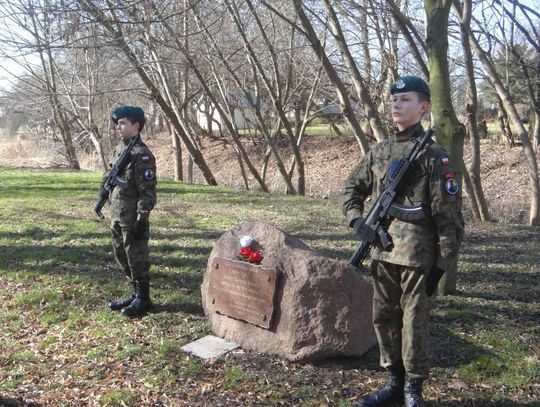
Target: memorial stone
[{"x": 296, "y": 304}]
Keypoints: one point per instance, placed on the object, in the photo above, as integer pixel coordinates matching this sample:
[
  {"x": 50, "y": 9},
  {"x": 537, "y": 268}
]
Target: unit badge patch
[
  {"x": 400, "y": 84},
  {"x": 451, "y": 186},
  {"x": 149, "y": 174}
]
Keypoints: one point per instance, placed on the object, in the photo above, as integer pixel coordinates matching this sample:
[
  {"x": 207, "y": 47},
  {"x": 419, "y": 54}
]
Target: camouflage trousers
[
  {"x": 400, "y": 316},
  {"x": 130, "y": 254}
]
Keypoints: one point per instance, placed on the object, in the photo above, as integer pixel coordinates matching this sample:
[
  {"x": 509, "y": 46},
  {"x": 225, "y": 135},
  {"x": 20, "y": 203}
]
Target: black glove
[
  {"x": 139, "y": 229},
  {"x": 363, "y": 231},
  {"x": 433, "y": 279}
]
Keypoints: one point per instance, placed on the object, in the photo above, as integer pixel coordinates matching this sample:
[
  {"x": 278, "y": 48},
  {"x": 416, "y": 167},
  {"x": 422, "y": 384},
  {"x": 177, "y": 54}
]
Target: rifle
[
  {"x": 113, "y": 179},
  {"x": 385, "y": 209}
]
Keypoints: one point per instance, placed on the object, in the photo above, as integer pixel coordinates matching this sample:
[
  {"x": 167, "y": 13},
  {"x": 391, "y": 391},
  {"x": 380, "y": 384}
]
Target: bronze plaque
[{"x": 243, "y": 291}]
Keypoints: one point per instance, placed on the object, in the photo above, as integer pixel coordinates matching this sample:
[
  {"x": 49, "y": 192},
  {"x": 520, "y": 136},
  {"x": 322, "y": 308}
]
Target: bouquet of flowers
[{"x": 247, "y": 252}]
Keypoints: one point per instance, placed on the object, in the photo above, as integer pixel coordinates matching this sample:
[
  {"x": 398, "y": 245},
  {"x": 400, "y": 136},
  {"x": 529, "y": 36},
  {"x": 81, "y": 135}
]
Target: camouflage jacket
[
  {"x": 138, "y": 199},
  {"x": 431, "y": 182}
]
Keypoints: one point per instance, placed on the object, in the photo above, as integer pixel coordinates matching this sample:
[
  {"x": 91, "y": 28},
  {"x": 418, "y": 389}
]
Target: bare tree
[
  {"x": 526, "y": 59},
  {"x": 476, "y": 191},
  {"x": 358, "y": 81},
  {"x": 310, "y": 34},
  {"x": 509, "y": 106},
  {"x": 450, "y": 132},
  {"x": 272, "y": 86},
  {"x": 115, "y": 27},
  {"x": 37, "y": 22}
]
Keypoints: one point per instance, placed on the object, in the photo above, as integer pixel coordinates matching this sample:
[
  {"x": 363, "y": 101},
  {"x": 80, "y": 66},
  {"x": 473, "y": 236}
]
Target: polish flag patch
[{"x": 445, "y": 161}]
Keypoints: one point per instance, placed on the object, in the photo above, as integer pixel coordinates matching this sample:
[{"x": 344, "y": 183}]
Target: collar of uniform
[
  {"x": 409, "y": 132},
  {"x": 126, "y": 142}
]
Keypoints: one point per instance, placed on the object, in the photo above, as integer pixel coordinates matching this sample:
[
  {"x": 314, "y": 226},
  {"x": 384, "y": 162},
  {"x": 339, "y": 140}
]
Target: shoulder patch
[
  {"x": 451, "y": 186},
  {"x": 145, "y": 158},
  {"x": 445, "y": 161},
  {"x": 149, "y": 174}
]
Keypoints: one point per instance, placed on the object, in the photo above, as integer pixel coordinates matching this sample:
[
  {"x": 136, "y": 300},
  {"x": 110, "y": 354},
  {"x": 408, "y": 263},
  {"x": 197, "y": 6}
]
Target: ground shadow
[
  {"x": 369, "y": 360},
  {"x": 474, "y": 402},
  {"x": 11, "y": 402},
  {"x": 188, "y": 307}
]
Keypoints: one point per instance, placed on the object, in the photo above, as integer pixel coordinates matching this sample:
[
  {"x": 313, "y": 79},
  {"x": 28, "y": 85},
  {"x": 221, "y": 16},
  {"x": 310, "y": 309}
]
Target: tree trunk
[
  {"x": 177, "y": 152},
  {"x": 412, "y": 36},
  {"x": 216, "y": 105},
  {"x": 506, "y": 100},
  {"x": 471, "y": 194},
  {"x": 504, "y": 125},
  {"x": 273, "y": 92},
  {"x": 345, "y": 103},
  {"x": 112, "y": 26},
  {"x": 476, "y": 190},
  {"x": 449, "y": 131},
  {"x": 533, "y": 89},
  {"x": 47, "y": 65},
  {"x": 228, "y": 117},
  {"x": 354, "y": 74}
]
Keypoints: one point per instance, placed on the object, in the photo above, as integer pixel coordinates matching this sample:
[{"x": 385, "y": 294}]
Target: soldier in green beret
[
  {"x": 130, "y": 207},
  {"x": 401, "y": 303}
]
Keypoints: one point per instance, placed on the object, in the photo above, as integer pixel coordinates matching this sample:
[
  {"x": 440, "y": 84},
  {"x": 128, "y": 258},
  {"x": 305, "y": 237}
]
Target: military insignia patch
[
  {"x": 451, "y": 186},
  {"x": 445, "y": 161},
  {"x": 145, "y": 158},
  {"x": 400, "y": 84},
  {"x": 149, "y": 174}
]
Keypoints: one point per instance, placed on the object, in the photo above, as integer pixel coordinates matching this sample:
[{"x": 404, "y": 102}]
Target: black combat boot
[
  {"x": 141, "y": 303},
  {"x": 118, "y": 305},
  {"x": 391, "y": 394},
  {"x": 413, "y": 392}
]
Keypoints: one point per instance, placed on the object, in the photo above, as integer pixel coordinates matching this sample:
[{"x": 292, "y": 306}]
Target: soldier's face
[
  {"x": 407, "y": 109},
  {"x": 126, "y": 129}
]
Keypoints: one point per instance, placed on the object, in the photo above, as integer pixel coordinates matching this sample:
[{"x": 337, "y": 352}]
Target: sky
[{"x": 9, "y": 68}]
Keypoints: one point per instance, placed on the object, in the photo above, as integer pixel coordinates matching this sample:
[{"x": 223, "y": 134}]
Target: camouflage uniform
[
  {"x": 400, "y": 303},
  {"x": 130, "y": 204}
]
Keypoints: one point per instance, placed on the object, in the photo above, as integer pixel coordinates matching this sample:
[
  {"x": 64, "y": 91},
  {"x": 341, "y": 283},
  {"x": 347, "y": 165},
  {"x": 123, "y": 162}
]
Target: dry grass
[
  {"x": 59, "y": 346},
  {"x": 327, "y": 159}
]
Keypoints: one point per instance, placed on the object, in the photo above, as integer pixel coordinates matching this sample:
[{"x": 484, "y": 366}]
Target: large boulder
[{"x": 322, "y": 306}]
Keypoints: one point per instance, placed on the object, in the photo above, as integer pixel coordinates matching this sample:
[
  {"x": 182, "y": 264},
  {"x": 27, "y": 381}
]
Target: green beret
[
  {"x": 126, "y": 111},
  {"x": 410, "y": 83}
]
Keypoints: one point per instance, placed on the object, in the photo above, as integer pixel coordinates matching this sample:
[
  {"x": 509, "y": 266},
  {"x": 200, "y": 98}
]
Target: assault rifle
[
  {"x": 113, "y": 178},
  {"x": 385, "y": 209}
]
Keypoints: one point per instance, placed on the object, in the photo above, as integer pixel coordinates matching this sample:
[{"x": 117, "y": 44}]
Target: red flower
[
  {"x": 255, "y": 257},
  {"x": 246, "y": 252}
]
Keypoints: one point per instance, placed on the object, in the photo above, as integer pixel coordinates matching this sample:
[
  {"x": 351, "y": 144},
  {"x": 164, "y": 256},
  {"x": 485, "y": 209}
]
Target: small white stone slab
[{"x": 209, "y": 347}]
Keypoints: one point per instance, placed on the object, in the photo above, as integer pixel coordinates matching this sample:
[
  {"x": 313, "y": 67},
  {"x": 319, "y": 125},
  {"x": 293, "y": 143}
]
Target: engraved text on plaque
[{"x": 243, "y": 291}]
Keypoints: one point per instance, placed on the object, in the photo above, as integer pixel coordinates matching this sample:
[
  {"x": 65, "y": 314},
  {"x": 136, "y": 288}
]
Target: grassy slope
[{"x": 60, "y": 346}]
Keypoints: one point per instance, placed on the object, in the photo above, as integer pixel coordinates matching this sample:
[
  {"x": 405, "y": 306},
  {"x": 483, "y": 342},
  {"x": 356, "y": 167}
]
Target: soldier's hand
[
  {"x": 363, "y": 231},
  {"x": 433, "y": 279},
  {"x": 139, "y": 229}
]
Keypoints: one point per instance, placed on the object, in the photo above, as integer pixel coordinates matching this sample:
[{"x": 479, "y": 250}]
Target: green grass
[
  {"x": 118, "y": 398},
  {"x": 234, "y": 377},
  {"x": 314, "y": 130},
  {"x": 57, "y": 275}
]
